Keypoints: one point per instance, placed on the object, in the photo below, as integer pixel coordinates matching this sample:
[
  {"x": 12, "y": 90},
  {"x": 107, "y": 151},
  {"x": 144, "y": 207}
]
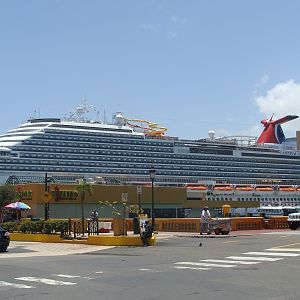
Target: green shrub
[
  {"x": 25, "y": 227},
  {"x": 37, "y": 226},
  {"x": 62, "y": 226},
  {"x": 48, "y": 227},
  {"x": 10, "y": 226}
]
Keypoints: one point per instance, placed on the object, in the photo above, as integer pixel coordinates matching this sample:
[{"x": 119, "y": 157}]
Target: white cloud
[
  {"x": 283, "y": 99},
  {"x": 171, "y": 35},
  {"x": 151, "y": 27},
  {"x": 263, "y": 80}
]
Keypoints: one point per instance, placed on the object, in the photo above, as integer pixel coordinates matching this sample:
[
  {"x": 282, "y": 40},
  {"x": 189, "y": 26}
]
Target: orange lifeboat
[
  {"x": 198, "y": 188},
  {"x": 265, "y": 189},
  {"x": 286, "y": 189},
  {"x": 223, "y": 188},
  {"x": 244, "y": 188}
]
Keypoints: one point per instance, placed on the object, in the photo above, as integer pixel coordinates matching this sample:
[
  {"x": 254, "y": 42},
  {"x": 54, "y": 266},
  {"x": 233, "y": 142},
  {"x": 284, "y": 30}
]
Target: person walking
[{"x": 205, "y": 218}]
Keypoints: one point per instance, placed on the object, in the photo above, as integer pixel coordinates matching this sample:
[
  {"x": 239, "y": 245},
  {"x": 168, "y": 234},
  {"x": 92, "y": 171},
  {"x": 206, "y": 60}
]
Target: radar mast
[{"x": 78, "y": 114}]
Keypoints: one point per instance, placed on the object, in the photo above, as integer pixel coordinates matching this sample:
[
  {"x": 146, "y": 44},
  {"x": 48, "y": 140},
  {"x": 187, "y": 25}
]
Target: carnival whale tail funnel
[{"x": 273, "y": 132}]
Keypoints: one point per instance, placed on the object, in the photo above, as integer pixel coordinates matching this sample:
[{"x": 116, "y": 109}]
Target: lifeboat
[
  {"x": 228, "y": 189},
  {"x": 264, "y": 189},
  {"x": 287, "y": 189},
  {"x": 244, "y": 188},
  {"x": 198, "y": 188},
  {"x": 223, "y": 188}
]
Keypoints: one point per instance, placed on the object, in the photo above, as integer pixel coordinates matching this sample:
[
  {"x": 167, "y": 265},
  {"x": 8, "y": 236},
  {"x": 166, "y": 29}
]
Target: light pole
[
  {"x": 82, "y": 208},
  {"x": 152, "y": 176},
  {"x": 47, "y": 186}
]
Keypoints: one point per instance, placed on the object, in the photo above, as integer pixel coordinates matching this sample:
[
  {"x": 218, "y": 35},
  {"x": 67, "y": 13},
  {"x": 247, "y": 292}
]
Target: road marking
[
  {"x": 257, "y": 258},
  {"x": 204, "y": 264},
  {"x": 239, "y": 262},
  {"x": 284, "y": 249},
  {"x": 45, "y": 281},
  {"x": 285, "y": 246},
  {"x": 272, "y": 254},
  {"x": 144, "y": 269},
  {"x": 16, "y": 285},
  {"x": 229, "y": 242},
  {"x": 192, "y": 268},
  {"x": 99, "y": 272},
  {"x": 281, "y": 233},
  {"x": 66, "y": 276}
]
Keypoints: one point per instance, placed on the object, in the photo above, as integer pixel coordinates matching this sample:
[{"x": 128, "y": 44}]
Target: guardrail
[
  {"x": 278, "y": 222},
  {"x": 193, "y": 224},
  {"x": 247, "y": 223}
]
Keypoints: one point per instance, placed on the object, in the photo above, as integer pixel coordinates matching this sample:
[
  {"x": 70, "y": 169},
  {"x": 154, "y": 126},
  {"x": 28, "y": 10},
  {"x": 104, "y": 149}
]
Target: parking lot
[{"x": 252, "y": 265}]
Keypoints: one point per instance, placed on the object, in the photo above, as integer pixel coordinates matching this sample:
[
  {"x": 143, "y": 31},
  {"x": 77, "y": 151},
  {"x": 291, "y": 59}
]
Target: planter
[{"x": 119, "y": 226}]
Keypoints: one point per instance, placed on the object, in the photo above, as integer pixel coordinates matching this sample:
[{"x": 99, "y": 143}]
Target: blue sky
[{"x": 191, "y": 66}]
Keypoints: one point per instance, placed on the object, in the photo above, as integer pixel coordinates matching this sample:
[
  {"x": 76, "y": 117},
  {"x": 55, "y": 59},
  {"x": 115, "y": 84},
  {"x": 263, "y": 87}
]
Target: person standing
[
  {"x": 205, "y": 217},
  {"x": 147, "y": 233},
  {"x": 94, "y": 216}
]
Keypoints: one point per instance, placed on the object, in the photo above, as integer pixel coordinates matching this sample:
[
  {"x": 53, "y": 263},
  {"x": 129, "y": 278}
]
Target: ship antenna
[{"x": 78, "y": 114}]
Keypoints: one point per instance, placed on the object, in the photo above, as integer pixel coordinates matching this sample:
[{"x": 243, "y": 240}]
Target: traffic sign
[
  {"x": 47, "y": 197},
  {"x": 139, "y": 190},
  {"x": 124, "y": 197}
]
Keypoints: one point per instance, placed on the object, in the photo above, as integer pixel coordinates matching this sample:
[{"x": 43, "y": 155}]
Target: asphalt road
[{"x": 259, "y": 266}]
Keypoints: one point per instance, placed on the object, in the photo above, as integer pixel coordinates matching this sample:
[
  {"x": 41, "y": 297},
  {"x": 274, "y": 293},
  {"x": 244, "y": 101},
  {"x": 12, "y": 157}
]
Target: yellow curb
[
  {"x": 38, "y": 237},
  {"x": 92, "y": 240},
  {"x": 118, "y": 240}
]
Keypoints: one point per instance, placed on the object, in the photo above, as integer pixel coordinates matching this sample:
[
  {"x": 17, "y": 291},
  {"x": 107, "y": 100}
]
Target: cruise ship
[{"x": 125, "y": 150}]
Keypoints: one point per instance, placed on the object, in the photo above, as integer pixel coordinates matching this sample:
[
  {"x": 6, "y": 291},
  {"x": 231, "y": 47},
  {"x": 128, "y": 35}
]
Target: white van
[{"x": 294, "y": 220}]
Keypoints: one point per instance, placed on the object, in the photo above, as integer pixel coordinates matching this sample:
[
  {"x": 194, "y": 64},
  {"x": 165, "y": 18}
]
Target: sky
[{"x": 191, "y": 66}]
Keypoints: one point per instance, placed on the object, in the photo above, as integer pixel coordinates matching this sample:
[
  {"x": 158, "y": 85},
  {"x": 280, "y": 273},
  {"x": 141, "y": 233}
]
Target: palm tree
[{"x": 83, "y": 188}]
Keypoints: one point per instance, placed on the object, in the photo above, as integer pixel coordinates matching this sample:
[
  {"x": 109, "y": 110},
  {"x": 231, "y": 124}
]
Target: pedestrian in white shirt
[{"x": 205, "y": 217}]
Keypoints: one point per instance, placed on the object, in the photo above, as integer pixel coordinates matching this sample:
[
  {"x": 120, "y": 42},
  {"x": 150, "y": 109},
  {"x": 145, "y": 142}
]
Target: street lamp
[
  {"x": 82, "y": 199},
  {"x": 152, "y": 176},
  {"x": 47, "y": 187}
]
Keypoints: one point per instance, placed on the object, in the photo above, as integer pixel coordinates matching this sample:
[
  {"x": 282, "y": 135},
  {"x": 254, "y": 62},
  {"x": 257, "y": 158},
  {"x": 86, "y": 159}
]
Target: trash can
[{"x": 136, "y": 225}]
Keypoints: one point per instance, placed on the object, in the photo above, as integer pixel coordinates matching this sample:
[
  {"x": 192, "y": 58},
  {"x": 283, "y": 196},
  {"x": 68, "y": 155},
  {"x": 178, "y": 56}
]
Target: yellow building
[{"x": 65, "y": 200}]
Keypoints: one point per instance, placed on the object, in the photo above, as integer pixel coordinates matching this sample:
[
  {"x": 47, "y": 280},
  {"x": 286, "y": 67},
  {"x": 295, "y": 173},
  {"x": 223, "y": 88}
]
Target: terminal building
[{"x": 169, "y": 202}]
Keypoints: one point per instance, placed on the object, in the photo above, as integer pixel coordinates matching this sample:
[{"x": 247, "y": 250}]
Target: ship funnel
[{"x": 273, "y": 132}]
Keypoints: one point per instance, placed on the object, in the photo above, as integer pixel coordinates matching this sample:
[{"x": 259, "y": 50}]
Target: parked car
[{"x": 4, "y": 239}]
